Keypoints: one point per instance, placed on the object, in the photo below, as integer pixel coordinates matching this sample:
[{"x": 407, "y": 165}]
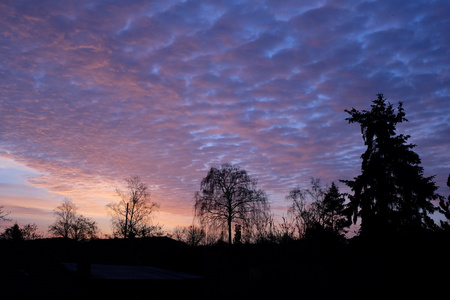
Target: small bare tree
[
  {"x": 30, "y": 232},
  {"x": 65, "y": 217},
  {"x": 69, "y": 224},
  {"x": 132, "y": 215}
]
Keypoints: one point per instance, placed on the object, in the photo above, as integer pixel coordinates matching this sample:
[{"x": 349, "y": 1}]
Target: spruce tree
[{"x": 391, "y": 195}]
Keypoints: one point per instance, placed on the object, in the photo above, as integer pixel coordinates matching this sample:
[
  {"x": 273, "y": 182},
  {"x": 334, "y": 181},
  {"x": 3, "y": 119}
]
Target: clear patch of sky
[
  {"x": 14, "y": 183},
  {"x": 12, "y": 172}
]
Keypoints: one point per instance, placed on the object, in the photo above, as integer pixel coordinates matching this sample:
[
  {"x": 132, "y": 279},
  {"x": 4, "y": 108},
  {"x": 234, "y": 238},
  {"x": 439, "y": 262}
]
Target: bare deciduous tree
[
  {"x": 83, "y": 228},
  {"x": 30, "y": 232},
  {"x": 69, "y": 224},
  {"x": 132, "y": 215},
  {"x": 305, "y": 206},
  {"x": 228, "y": 195},
  {"x": 65, "y": 217}
]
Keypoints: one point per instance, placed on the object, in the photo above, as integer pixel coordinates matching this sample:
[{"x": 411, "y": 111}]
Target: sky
[{"x": 92, "y": 92}]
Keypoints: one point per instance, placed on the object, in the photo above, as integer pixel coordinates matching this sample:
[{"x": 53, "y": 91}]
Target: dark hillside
[
  {"x": 32, "y": 270},
  {"x": 307, "y": 269}
]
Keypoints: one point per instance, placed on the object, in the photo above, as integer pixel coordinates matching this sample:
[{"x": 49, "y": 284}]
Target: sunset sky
[{"x": 92, "y": 92}]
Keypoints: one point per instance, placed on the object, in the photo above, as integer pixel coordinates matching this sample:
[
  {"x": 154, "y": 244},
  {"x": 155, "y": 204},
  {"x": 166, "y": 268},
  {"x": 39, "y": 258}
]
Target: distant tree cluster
[
  {"x": 192, "y": 235},
  {"x": 318, "y": 209},
  {"x": 391, "y": 196},
  {"x": 27, "y": 232},
  {"x": 229, "y": 196}
]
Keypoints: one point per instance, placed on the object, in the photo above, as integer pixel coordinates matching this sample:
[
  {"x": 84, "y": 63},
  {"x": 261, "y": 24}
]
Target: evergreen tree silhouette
[{"x": 391, "y": 194}]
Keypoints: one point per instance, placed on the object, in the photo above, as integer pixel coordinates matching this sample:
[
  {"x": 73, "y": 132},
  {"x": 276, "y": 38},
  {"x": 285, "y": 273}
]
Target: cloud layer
[{"x": 94, "y": 91}]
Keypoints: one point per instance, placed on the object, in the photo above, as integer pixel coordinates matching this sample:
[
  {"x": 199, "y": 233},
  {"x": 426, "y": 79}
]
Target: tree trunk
[
  {"x": 125, "y": 233},
  {"x": 229, "y": 230}
]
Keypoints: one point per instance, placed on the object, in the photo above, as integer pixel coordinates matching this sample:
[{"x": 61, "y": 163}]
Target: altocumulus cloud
[{"x": 94, "y": 91}]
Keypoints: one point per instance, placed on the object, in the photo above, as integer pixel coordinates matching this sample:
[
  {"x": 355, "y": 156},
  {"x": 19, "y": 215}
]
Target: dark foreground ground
[{"x": 311, "y": 269}]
